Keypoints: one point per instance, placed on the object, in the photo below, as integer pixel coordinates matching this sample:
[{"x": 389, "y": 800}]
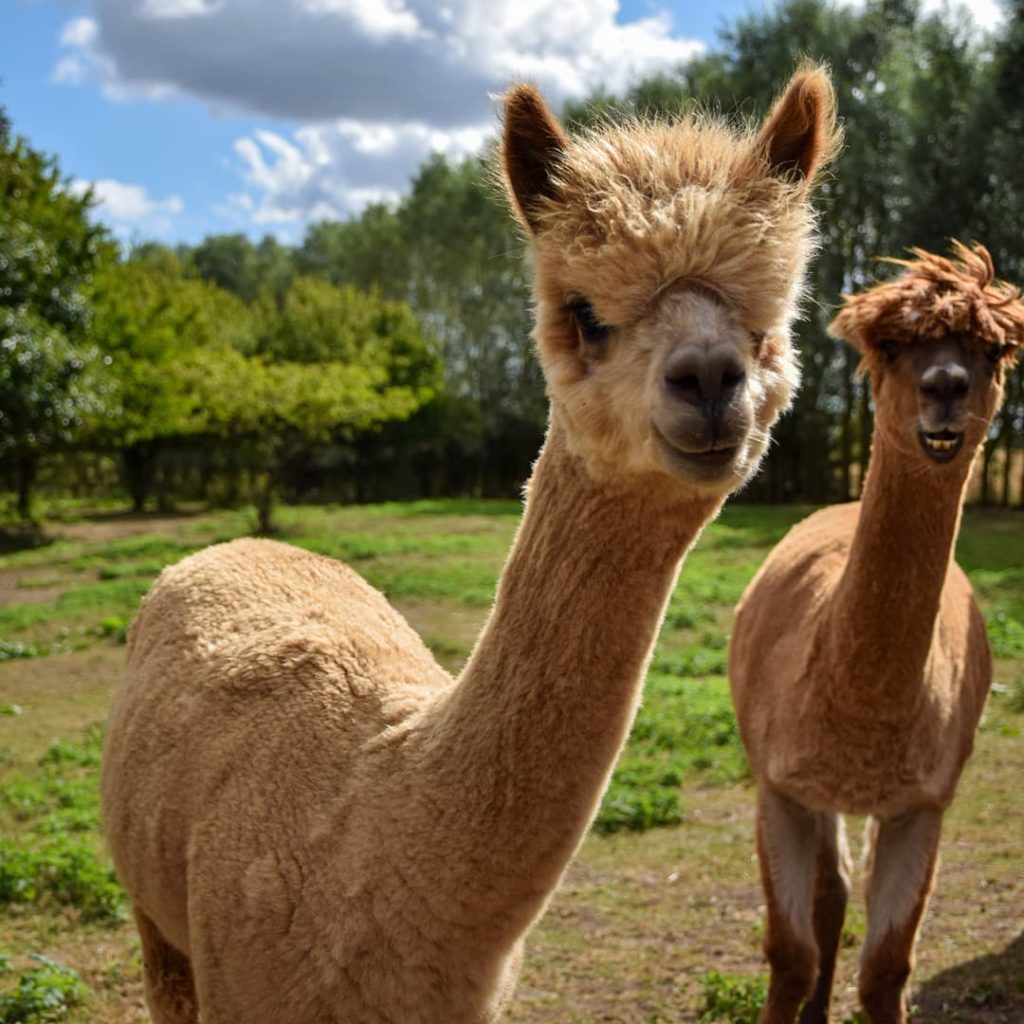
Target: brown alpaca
[
  {"x": 314, "y": 821},
  {"x": 859, "y": 661}
]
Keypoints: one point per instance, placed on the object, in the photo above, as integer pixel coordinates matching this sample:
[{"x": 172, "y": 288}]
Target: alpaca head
[
  {"x": 669, "y": 262},
  {"x": 937, "y": 340}
]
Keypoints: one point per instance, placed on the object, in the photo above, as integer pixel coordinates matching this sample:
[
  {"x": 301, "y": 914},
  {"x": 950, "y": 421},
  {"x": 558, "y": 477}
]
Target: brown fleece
[
  {"x": 316, "y": 824},
  {"x": 859, "y": 662}
]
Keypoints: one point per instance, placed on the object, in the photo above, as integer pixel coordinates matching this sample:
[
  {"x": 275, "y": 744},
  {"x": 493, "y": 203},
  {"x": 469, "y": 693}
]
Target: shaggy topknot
[
  {"x": 934, "y": 298},
  {"x": 630, "y": 210}
]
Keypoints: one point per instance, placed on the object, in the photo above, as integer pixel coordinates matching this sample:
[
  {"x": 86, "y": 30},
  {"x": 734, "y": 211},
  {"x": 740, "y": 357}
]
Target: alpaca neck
[
  {"x": 884, "y": 609},
  {"x": 511, "y": 763}
]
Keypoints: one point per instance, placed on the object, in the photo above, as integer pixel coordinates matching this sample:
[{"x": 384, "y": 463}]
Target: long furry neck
[
  {"x": 519, "y": 753},
  {"x": 887, "y": 601}
]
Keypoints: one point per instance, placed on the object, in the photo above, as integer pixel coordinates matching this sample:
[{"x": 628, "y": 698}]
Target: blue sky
[{"x": 200, "y": 116}]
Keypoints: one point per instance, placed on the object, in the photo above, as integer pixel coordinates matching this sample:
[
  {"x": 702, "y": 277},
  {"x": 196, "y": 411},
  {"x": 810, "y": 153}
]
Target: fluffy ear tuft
[
  {"x": 800, "y": 135},
  {"x": 532, "y": 146}
]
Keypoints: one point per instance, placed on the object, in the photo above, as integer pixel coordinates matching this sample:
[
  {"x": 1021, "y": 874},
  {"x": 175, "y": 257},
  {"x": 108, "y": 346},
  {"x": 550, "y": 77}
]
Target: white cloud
[
  {"x": 377, "y": 19},
  {"x": 373, "y": 60},
  {"x": 374, "y": 85},
  {"x": 335, "y": 170},
  {"x": 130, "y": 207},
  {"x": 161, "y": 9},
  {"x": 81, "y": 32}
]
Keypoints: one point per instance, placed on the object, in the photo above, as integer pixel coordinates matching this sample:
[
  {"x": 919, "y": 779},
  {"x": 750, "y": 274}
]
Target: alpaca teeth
[{"x": 942, "y": 446}]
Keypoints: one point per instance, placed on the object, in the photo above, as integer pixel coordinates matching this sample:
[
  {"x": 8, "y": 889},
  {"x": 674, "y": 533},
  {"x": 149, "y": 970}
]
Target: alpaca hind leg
[
  {"x": 901, "y": 869},
  {"x": 787, "y": 852},
  {"x": 170, "y": 990},
  {"x": 831, "y": 892}
]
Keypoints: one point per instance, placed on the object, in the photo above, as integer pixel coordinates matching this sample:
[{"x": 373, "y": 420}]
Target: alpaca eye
[
  {"x": 889, "y": 349},
  {"x": 590, "y": 327},
  {"x": 996, "y": 352}
]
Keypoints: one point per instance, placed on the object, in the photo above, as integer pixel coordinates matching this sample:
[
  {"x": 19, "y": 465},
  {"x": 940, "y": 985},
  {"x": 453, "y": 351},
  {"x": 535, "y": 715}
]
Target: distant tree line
[{"x": 388, "y": 356}]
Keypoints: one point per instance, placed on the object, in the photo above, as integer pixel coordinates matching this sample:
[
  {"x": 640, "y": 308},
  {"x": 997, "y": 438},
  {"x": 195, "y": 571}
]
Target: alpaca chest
[{"x": 862, "y": 766}]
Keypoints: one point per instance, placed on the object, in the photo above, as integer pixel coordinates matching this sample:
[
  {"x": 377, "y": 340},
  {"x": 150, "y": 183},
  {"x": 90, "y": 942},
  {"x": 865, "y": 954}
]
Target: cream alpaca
[
  {"x": 859, "y": 661},
  {"x": 315, "y": 822}
]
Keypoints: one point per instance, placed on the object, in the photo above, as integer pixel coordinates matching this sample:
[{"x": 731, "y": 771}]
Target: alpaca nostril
[
  {"x": 946, "y": 383},
  {"x": 700, "y": 375},
  {"x": 732, "y": 379},
  {"x": 686, "y": 387}
]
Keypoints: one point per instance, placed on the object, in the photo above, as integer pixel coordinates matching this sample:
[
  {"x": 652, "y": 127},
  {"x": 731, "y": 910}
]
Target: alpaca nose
[
  {"x": 707, "y": 376},
  {"x": 945, "y": 383}
]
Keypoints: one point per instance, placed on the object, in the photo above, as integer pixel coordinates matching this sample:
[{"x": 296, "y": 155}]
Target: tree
[
  {"x": 348, "y": 381},
  {"x": 368, "y": 251},
  {"x": 151, "y": 322},
  {"x": 48, "y": 251},
  {"x": 49, "y": 389}
]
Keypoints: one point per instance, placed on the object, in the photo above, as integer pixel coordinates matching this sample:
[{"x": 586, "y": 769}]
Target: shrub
[
  {"x": 728, "y": 997},
  {"x": 62, "y": 869},
  {"x": 42, "y": 994}
]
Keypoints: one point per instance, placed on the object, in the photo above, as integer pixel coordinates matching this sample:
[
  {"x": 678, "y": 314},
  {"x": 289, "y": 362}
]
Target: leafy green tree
[
  {"x": 470, "y": 284},
  {"x": 368, "y": 252},
  {"x": 272, "y": 411},
  {"x": 49, "y": 390},
  {"x": 151, "y": 321},
  {"x": 229, "y": 261},
  {"x": 48, "y": 251}
]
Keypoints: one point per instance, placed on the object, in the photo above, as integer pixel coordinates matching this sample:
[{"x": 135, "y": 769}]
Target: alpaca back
[{"x": 255, "y": 669}]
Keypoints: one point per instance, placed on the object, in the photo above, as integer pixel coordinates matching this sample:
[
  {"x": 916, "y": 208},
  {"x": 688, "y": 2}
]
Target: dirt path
[{"x": 121, "y": 525}]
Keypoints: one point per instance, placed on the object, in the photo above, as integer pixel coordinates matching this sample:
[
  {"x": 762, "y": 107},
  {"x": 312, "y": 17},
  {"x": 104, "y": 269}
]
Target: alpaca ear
[
  {"x": 800, "y": 134},
  {"x": 532, "y": 147}
]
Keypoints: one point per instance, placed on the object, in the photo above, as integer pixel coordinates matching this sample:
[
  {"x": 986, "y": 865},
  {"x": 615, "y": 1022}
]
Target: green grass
[
  {"x": 447, "y": 554},
  {"x": 50, "y": 852},
  {"x": 44, "y": 992},
  {"x": 438, "y": 562},
  {"x": 731, "y": 998}
]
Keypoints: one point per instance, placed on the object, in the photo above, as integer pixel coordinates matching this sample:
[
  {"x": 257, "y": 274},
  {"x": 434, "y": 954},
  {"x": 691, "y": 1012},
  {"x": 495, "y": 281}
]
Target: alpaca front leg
[
  {"x": 787, "y": 849},
  {"x": 831, "y": 892},
  {"x": 901, "y": 870}
]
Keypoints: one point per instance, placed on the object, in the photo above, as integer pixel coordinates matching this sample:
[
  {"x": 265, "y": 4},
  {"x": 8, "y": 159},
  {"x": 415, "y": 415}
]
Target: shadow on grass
[
  {"x": 127, "y": 515},
  {"x": 22, "y": 538},
  {"x": 986, "y": 990}
]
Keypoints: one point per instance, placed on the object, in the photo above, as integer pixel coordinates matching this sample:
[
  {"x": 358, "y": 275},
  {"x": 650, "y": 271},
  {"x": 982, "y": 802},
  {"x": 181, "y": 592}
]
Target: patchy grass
[
  {"x": 43, "y": 992},
  {"x": 732, "y": 998},
  {"x": 653, "y": 925}
]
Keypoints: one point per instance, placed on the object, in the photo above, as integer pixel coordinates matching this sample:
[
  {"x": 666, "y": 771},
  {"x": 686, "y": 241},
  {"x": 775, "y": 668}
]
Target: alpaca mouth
[
  {"x": 941, "y": 445},
  {"x": 707, "y": 465}
]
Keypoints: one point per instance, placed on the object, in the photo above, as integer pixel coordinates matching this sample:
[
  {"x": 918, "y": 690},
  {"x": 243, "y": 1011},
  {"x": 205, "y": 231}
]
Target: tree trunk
[
  {"x": 986, "y": 462},
  {"x": 265, "y": 505},
  {"x": 164, "y": 501},
  {"x": 138, "y": 462},
  {"x": 1004, "y": 497},
  {"x": 1020, "y": 486},
  {"x": 27, "y": 466},
  {"x": 846, "y": 427},
  {"x": 867, "y": 424}
]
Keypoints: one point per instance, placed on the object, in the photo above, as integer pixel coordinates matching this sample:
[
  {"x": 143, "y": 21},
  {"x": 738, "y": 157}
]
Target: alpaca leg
[
  {"x": 901, "y": 870},
  {"x": 170, "y": 991},
  {"x": 831, "y": 891},
  {"x": 787, "y": 851}
]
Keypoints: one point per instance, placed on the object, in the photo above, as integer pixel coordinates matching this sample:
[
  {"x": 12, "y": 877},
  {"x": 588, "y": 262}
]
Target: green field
[{"x": 658, "y": 921}]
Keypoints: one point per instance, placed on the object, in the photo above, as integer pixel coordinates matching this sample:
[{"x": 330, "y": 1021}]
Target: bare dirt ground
[{"x": 640, "y": 919}]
